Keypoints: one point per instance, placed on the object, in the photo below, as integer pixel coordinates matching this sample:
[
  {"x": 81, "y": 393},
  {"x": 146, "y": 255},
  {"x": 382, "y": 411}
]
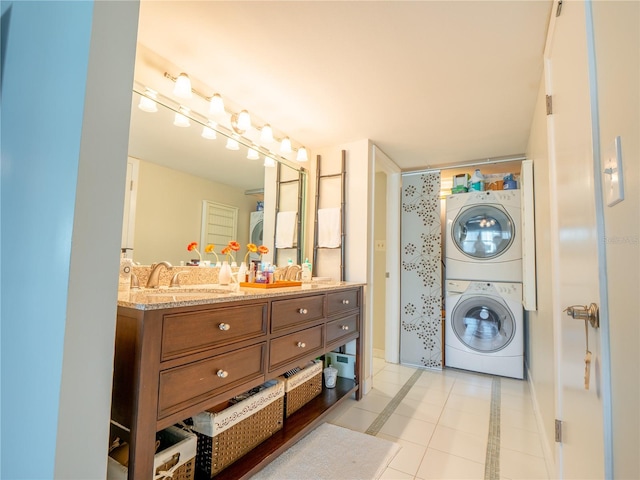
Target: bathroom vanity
[{"x": 178, "y": 353}]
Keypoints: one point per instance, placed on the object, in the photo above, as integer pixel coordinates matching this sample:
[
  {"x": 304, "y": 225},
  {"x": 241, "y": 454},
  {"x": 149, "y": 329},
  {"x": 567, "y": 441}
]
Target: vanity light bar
[{"x": 240, "y": 121}]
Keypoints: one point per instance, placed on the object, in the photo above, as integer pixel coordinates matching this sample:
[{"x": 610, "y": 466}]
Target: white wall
[
  {"x": 379, "y": 263},
  {"x": 539, "y": 324},
  {"x": 617, "y": 43},
  {"x": 359, "y": 211},
  {"x": 63, "y": 170},
  {"x": 358, "y": 185}
]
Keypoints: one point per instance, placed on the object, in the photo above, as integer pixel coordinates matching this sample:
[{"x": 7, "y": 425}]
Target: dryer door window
[
  {"x": 483, "y": 232},
  {"x": 483, "y": 324}
]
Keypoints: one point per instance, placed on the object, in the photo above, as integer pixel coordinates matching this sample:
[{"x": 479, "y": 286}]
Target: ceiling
[{"x": 429, "y": 82}]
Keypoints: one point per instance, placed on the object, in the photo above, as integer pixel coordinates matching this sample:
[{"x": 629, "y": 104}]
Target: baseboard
[
  {"x": 378, "y": 353},
  {"x": 542, "y": 431}
]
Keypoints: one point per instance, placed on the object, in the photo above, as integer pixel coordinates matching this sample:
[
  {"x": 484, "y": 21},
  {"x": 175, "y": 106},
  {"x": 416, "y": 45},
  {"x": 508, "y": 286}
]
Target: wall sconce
[
  {"x": 232, "y": 144},
  {"x": 252, "y": 154},
  {"x": 148, "y": 102},
  {"x": 241, "y": 122},
  {"x": 285, "y": 145},
  {"x": 180, "y": 119},
  {"x": 216, "y": 104},
  {"x": 183, "y": 86},
  {"x": 266, "y": 134},
  {"x": 302, "y": 155},
  {"x": 269, "y": 162},
  {"x": 208, "y": 131}
]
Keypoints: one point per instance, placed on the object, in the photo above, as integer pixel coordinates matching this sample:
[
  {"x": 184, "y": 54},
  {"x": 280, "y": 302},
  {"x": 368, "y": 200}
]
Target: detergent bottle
[{"x": 476, "y": 183}]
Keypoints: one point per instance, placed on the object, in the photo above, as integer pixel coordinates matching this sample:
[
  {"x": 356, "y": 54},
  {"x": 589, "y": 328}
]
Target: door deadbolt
[{"x": 583, "y": 312}]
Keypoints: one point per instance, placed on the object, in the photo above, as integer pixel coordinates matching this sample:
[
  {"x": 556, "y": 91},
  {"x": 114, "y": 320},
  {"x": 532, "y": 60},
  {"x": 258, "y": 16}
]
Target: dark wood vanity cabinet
[{"x": 174, "y": 362}]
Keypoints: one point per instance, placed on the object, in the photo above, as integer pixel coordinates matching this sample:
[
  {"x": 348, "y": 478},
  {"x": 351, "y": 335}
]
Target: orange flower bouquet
[
  {"x": 232, "y": 246},
  {"x": 253, "y": 248},
  {"x": 209, "y": 249},
  {"x": 193, "y": 247}
]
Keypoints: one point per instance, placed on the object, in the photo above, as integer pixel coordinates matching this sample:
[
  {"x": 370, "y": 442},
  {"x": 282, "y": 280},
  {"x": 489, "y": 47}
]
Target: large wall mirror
[{"x": 174, "y": 172}]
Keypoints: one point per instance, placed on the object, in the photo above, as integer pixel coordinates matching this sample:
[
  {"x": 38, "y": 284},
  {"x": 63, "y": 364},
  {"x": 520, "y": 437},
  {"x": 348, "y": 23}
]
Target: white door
[{"x": 576, "y": 257}]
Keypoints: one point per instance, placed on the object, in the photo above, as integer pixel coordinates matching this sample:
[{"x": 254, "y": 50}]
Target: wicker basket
[
  {"x": 227, "y": 435},
  {"x": 302, "y": 387},
  {"x": 175, "y": 460}
]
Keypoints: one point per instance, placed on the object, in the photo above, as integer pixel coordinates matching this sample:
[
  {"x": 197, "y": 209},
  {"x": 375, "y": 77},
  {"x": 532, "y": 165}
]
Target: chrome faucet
[{"x": 154, "y": 275}]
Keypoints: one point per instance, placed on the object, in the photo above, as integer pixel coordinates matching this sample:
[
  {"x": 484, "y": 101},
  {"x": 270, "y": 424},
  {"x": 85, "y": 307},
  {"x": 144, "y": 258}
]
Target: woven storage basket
[
  {"x": 224, "y": 437},
  {"x": 175, "y": 460},
  {"x": 302, "y": 387}
]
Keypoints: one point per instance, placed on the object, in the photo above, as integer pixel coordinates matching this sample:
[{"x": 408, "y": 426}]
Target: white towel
[
  {"x": 329, "y": 227},
  {"x": 285, "y": 229}
]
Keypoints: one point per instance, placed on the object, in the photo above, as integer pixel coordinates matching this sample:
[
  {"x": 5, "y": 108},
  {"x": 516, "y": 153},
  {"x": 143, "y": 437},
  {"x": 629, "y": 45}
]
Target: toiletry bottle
[
  {"x": 306, "y": 271},
  {"x": 124, "y": 281},
  {"x": 476, "y": 183}
]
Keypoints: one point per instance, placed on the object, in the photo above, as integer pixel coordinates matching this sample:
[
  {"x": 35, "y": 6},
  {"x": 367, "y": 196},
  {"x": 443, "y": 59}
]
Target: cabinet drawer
[
  {"x": 187, "y": 333},
  {"x": 296, "y": 312},
  {"x": 187, "y": 385},
  {"x": 296, "y": 345},
  {"x": 342, "y": 327},
  {"x": 342, "y": 301}
]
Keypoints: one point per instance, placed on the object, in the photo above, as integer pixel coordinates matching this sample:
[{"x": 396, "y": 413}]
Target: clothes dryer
[
  {"x": 483, "y": 236},
  {"x": 484, "y": 327},
  {"x": 256, "y": 222}
]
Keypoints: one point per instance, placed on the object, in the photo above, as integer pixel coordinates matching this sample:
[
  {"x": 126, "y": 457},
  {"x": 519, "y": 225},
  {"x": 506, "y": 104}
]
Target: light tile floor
[{"x": 443, "y": 424}]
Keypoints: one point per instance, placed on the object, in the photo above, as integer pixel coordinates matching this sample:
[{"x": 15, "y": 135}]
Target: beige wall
[
  {"x": 169, "y": 213},
  {"x": 616, "y": 26},
  {"x": 539, "y": 324}
]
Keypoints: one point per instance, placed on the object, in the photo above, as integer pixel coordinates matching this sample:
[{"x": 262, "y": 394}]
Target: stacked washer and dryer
[{"x": 483, "y": 291}]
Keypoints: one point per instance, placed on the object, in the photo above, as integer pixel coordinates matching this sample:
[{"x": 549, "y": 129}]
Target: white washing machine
[
  {"x": 484, "y": 327},
  {"x": 483, "y": 236},
  {"x": 256, "y": 223}
]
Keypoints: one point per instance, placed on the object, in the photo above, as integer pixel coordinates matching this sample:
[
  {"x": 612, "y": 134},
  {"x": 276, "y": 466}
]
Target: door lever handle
[{"x": 583, "y": 312}]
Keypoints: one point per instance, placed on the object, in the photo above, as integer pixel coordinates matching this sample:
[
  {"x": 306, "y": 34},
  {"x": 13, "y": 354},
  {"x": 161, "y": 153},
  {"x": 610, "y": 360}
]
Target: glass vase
[
  {"x": 242, "y": 273},
  {"x": 224, "y": 275}
]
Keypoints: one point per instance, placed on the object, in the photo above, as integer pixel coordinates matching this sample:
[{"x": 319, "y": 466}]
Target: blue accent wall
[{"x": 45, "y": 60}]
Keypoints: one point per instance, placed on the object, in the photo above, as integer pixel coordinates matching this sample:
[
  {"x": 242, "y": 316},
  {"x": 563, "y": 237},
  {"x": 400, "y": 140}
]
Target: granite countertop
[{"x": 164, "y": 297}]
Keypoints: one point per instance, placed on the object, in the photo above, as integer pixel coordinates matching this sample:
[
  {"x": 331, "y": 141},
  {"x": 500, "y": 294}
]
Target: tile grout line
[
  {"x": 383, "y": 416},
  {"x": 492, "y": 458}
]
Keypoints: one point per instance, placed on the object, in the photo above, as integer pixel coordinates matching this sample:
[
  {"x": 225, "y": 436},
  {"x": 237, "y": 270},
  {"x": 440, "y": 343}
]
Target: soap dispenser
[
  {"x": 124, "y": 280},
  {"x": 306, "y": 271}
]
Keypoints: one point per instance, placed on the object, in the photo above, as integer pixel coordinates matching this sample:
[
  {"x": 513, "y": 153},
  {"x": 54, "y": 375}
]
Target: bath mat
[{"x": 332, "y": 453}]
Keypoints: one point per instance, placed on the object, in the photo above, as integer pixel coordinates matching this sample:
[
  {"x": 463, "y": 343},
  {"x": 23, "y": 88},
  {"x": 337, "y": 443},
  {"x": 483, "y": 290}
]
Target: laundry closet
[{"x": 467, "y": 268}]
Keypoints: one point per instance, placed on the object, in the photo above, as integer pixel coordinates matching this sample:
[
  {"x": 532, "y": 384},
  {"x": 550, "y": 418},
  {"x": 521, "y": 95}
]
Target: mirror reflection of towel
[
  {"x": 285, "y": 229},
  {"x": 329, "y": 227}
]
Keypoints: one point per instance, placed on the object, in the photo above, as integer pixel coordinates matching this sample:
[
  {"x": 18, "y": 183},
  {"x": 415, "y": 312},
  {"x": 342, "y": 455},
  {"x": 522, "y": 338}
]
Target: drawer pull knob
[
  {"x": 222, "y": 373},
  {"x": 345, "y": 302},
  {"x": 344, "y": 327},
  {"x": 224, "y": 326},
  {"x": 301, "y": 344},
  {"x": 302, "y": 311}
]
